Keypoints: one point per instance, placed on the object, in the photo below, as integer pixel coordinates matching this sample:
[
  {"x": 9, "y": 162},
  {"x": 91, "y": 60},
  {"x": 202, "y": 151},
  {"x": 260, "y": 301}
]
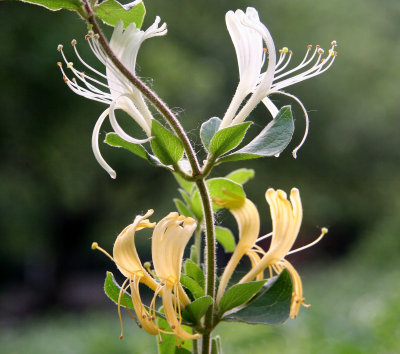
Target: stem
[
  {"x": 150, "y": 95},
  {"x": 209, "y": 261},
  {"x": 197, "y": 243}
]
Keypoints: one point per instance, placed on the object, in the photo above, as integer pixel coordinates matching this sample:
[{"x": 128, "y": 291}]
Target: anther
[
  {"x": 66, "y": 80},
  {"x": 95, "y": 245},
  {"x": 74, "y": 79},
  {"x": 334, "y": 43},
  {"x": 322, "y": 60},
  {"x": 59, "y": 64},
  {"x": 143, "y": 316},
  {"x": 324, "y": 230},
  {"x": 265, "y": 50},
  {"x": 290, "y": 52},
  {"x": 96, "y": 36},
  {"x": 87, "y": 37},
  {"x": 70, "y": 65},
  {"x": 317, "y": 46},
  {"x": 309, "y": 46},
  {"x": 121, "y": 337},
  {"x": 60, "y": 47},
  {"x": 173, "y": 326},
  {"x": 320, "y": 51},
  {"x": 73, "y": 42},
  {"x": 335, "y": 54},
  {"x": 285, "y": 49}
]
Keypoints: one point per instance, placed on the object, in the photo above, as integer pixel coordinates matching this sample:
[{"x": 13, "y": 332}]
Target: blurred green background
[{"x": 55, "y": 199}]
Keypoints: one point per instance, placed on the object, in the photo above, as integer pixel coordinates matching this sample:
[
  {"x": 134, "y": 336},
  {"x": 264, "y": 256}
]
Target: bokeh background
[{"x": 55, "y": 199}]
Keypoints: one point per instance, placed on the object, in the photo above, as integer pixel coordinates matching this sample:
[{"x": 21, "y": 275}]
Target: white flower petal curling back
[{"x": 112, "y": 87}]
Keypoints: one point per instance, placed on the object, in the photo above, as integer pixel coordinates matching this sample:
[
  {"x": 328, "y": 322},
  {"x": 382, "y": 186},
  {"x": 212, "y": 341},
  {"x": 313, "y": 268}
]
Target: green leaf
[
  {"x": 216, "y": 347},
  {"x": 208, "y": 130},
  {"x": 55, "y": 5},
  {"x": 239, "y": 294},
  {"x": 185, "y": 197},
  {"x": 186, "y": 185},
  {"x": 182, "y": 208},
  {"x": 112, "y": 290},
  {"x": 216, "y": 188},
  {"x": 194, "y": 254},
  {"x": 166, "y": 146},
  {"x": 169, "y": 341},
  {"x": 111, "y": 12},
  {"x": 115, "y": 140},
  {"x": 225, "y": 238},
  {"x": 272, "y": 140},
  {"x": 194, "y": 271},
  {"x": 241, "y": 175},
  {"x": 193, "y": 312},
  {"x": 193, "y": 286},
  {"x": 228, "y": 138},
  {"x": 271, "y": 306}
]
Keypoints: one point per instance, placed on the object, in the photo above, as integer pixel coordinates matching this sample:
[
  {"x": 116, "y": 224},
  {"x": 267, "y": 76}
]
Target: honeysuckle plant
[{"x": 190, "y": 295}]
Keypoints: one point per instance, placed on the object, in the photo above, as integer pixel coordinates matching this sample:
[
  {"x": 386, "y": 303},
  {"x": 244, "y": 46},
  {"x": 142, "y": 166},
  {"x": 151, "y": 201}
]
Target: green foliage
[
  {"x": 228, "y": 138},
  {"x": 168, "y": 344},
  {"x": 111, "y": 12},
  {"x": 241, "y": 176},
  {"x": 186, "y": 185},
  {"x": 182, "y": 208},
  {"x": 217, "y": 187},
  {"x": 194, "y": 271},
  {"x": 115, "y": 140},
  {"x": 225, "y": 238},
  {"x": 55, "y": 5},
  {"x": 166, "y": 146},
  {"x": 112, "y": 290},
  {"x": 216, "y": 347},
  {"x": 271, "y": 306},
  {"x": 239, "y": 294},
  {"x": 272, "y": 140},
  {"x": 208, "y": 130},
  {"x": 193, "y": 312},
  {"x": 193, "y": 286}
]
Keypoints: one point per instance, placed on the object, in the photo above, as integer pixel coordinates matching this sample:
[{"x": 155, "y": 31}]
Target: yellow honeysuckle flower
[
  {"x": 169, "y": 241},
  {"x": 170, "y": 238}
]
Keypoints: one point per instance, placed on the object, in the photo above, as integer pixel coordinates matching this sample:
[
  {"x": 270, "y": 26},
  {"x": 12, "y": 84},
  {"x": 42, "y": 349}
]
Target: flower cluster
[{"x": 169, "y": 240}]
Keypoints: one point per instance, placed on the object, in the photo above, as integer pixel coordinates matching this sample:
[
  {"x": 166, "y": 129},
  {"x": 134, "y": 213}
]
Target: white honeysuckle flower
[
  {"x": 112, "y": 87},
  {"x": 276, "y": 76}
]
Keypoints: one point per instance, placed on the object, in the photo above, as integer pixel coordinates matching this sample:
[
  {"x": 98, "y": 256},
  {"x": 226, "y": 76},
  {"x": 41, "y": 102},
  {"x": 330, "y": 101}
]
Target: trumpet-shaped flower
[
  {"x": 247, "y": 33},
  {"x": 170, "y": 238},
  {"x": 112, "y": 87}
]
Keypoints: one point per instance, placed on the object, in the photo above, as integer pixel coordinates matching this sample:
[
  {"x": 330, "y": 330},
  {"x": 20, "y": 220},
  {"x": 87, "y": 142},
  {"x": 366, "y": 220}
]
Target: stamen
[
  {"x": 119, "y": 307},
  {"x": 324, "y": 231},
  {"x": 264, "y": 237},
  {"x": 95, "y": 246}
]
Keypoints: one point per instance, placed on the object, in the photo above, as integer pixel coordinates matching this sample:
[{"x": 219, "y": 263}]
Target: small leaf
[
  {"x": 193, "y": 312},
  {"x": 186, "y": 185},
  {"x": 192, "y": 285},
  {"x": 225, "y": 238},
  {"x": 272, "y": 140},
  {"x": 115, "y": 140},
  {"x": 271, "y": 306},
  {"x": 194, "y": 271},
  {"x": 182, "y": 208},
  {"x": 112, "y": 290},
  {"x": 228, "y": 138},
  {"x": 217, "y": 188},
  {"x": 111, "y": 12},
  {"x": 208, "y": 130},
  {"x": 239, "y": 294},
  {"x": 241, "y": 175},
  {"x": 55, "y": 5},
  {"x": 166, "y": 146}
]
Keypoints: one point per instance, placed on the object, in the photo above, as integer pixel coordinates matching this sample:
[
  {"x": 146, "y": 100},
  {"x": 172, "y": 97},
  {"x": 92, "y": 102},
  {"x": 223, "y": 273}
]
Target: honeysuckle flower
[
  {"x": 248, "y": 33},
  {"x": 286, "y": 220},
  {"x": 170, "y": 238},
  {"x": 112, "y": 87}
]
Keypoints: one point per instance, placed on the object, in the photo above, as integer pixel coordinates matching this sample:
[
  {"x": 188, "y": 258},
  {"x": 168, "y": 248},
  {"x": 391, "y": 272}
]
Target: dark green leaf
[
  {"x": 239, "y": 294},
  {"x": 217, "y": 188},
  {"x": 225, "y": 238},
  {"x": 241, "y": 175},
  {"x": 112, "y": 290},
  {"x": 115, "y": 140},
  {"x": 194, "y": 271},
  {"x": 208, "y": 130},
  {"x": 228, "y": 138},
  {"x": 195, "y": 289},
  {"x": 111, "y": 12},
  {"x": 55, "y": 5},
  {"x": 272, "y": 140},
  {"x": 271, "y": 306},
  {"x": 197, "y": 309},
  {"x": 182, "y": 208},
  {"x": 166, "y": 146}
]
